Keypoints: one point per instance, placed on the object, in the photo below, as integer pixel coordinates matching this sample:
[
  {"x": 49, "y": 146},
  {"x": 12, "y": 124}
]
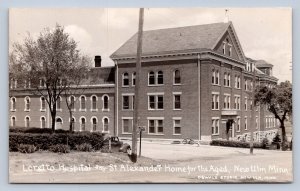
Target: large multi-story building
[{"x": 195, "y": 81}]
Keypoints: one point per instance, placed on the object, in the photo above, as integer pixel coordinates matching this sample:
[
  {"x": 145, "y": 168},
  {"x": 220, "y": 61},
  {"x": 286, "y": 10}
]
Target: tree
[
  {"x": 51, "y": 64},
  {"x": 278, "y": 101}
]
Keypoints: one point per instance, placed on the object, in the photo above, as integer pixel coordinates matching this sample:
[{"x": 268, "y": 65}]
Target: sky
[{"x": 264, "y": 33}]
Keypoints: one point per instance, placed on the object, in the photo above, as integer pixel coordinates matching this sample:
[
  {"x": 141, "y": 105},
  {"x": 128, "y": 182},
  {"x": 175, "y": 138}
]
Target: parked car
[{"x": 116, "y": 144}]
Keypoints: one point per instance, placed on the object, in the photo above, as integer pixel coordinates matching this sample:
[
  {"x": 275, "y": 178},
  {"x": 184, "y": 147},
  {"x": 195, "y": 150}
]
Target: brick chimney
[{"x": 98, "y": 61}]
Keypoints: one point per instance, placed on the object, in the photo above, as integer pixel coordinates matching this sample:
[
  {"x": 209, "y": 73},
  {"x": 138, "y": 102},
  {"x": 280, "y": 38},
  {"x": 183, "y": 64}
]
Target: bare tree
[{"x": 51, "y": 64}]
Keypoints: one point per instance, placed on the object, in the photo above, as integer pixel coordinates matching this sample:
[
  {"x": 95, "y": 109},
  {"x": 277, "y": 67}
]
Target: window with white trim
[
  {"x": 127, "y": 124},
  {"x": 224, "y": 48},
  {"x": 13, "y": 102},
  {"x": 125, "y": 100},
  {"x": 72, "y": 103},
  {"x": 43, "y": 104},
  {"x": 94, "y": 103},
  {"x": 238, "y": 126},
  {"x": 133, "y": 78},
  {"x": 94, "y": 123},
  {"x": 215, "y": 126},
  {"x": 215, "y": 80},
  {"x": 151, "y": 78},
  {"x": 177, "y": 77},
  {"x": 155, "y": 126},
  {"x": 105, "y": 124},
  {"x": 213, "y": 77},
  {"x": 155, "y": 102},
  {"x": 228, "y": 80},
  {"x": 27, "y": 103},
  {"x": 246, "y": 103},
  {"x": 226, "y": 104},
  {"x": 237, "y": 102},
  {"x": 105, "y": 99},
  {"x": 13, "y": 121},
  {"x": 160, "y": 78},
  {"x": 125, "y": 80},
  {"x": 27, "y": 121},
  {"x": 82, "y": 103},
  {"x": 43, "y": 122},
  {"x": 177, "y": 126},
  {"x": 177, "y": 101},
  {"x": 82, "y": 124},
  {"x": 230, "y": 50},
  {"x": 246, "y": 123},
  {"x": 215, "y": 101}
]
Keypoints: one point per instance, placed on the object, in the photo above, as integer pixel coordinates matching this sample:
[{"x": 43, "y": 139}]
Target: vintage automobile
[{"x": 116, "y": 144}]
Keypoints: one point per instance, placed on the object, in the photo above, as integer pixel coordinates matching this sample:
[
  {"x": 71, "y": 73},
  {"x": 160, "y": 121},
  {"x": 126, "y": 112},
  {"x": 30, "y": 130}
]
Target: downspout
[
  {"x": 199, "y": 98},
  {"x": 116, "y": 128}
]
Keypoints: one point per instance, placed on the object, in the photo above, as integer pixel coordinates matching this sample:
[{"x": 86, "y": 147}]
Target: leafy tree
[
  {"x": 51, "y": 63},
  {"x": 278, "y": 101}
]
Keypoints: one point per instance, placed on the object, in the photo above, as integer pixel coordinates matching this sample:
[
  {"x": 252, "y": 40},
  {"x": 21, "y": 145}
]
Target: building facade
[{"x": 195, "y": 83}]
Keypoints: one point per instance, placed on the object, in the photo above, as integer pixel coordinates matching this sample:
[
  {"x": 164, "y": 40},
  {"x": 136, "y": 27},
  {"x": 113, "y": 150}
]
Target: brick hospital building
[{"x": 194, "y": 80}]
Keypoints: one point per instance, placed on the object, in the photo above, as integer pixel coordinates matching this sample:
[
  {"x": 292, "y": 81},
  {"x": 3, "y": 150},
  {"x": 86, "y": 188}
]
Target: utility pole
[
  {"x": 137, "y": 86},
  {"x": 253, "y": 118}
]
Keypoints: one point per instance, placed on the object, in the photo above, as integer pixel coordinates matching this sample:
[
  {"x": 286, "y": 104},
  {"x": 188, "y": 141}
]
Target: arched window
[
  {"x": 72, "y": 102},
  {"x": 13, "y": 104},
  {"x": 151, "y": 76},
  {"x": 94, "y": 102},
  {"x": 213, "y": 77},
  {"x": 82, "y": 103},
  {"x": 125, "y": 79},
  {"x": 58, "y": 123},
  {"x": 225, "y": 79},
  {"x": 177, "y": 78},
  {"x": 43, "y": 104},
  {"x": 58, "y": 103},
  {"x": 94, "y": 123},
  {"x": 13, "y": 121},
  {"x": 27, "y": 121},
  {"x": 73, "y": 120},
  {"x": 105, "y": 124},
  {"x": 43, "y": 122},
  {"x": 228, "y": 80},
  {"x": 27, "y": 103},
  {"x": 105, "y": 102},
  {"x": 133, "y": 78},
  {"x": 82, "y": 124},
  {"x": 217, "y": 77},
  {"x": 160, "y": 77}
]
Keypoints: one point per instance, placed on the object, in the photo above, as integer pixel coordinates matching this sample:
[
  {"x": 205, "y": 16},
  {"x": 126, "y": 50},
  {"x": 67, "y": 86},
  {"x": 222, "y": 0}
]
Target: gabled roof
[
  {"x": 263, "y": 64},
  {"x": 175, "y": 40}
]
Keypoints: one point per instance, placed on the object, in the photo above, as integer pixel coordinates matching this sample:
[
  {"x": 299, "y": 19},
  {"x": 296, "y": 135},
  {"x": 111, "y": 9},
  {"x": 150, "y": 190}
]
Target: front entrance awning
[{"x": 229, "y": 112}]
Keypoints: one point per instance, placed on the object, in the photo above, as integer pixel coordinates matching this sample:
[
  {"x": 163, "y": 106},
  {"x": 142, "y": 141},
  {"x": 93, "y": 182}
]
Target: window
[
  {"x": 256, "y": 122},
  {"x": 27, "y": 121},
  {"x": 155, "y": 102},
  {"x": 72, "y": 103},
  {"x": 246, "y": 123},
  {"x": 58, "y": 104},
  {"x": 217, "y": 77},
  {"x": 73, "y": 120},
  {"x": 125, "y": 102},
  {"x": 215, "y": 101},
  {"x": 155, "y": 126},
  {"x": 13, "y": 101},
  {"x": 13, "y": 83},
  {"x": 230, "y": 50},
  {"x": 82, "y": 103},
  {"x": 13, "y": 121},
  {"x": 228, "y": 80},
  {"x": 105, "y": 124},
  {"x": 42, "y": 83},
  {"x": 177, "y": 126},
  {"x": 94, "y": 123},
  {"x": 213, "y": 76},
  {"x": 246, "y": 84},
  {"x": 246, "y": 104},
  {"x": 160, "y": 77},
  {"x": 224, "y": 48},
  {"x": 225, "y": 79},
  {"x": 177, "y": 101},
  {"x": 251, "y": 105},
  {"x": 94, "y": 103},
  {"x": 237, "y": 102},
  {"x": 27, "y": 104},
  {"x": 239, "y": 83},
  {"x": 127, "y": 124},
  {"x": 215, "y": 126},
  {"x": 82, "y": 124},
  {"x": 43, "y": 122},
  {"x": 58, "y": 123},
  {"x": 43, "y": 104},
  {"x": 151, "y": 77},
  {"x": 177, "y": 78},
  {"x": 105, "y": 99},
  {"x": 226, "y": 101},
  {"x": 133, "y": 78},
  {"x": 238, "y": 126},
  {"x": 125, "y": 80}
]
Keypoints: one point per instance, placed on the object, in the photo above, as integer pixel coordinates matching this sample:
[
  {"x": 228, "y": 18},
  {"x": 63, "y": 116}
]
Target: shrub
[
  {"x": 60, "y": 148},
  {"x": 25, "y": 148},
  {"x": 265, "y": 143},
  {"x": 36, "y": 130},
  {"x": 45, "y": 140},
  {"x": 239, "y": 144},
  {"x": 85, "y": 147}
]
